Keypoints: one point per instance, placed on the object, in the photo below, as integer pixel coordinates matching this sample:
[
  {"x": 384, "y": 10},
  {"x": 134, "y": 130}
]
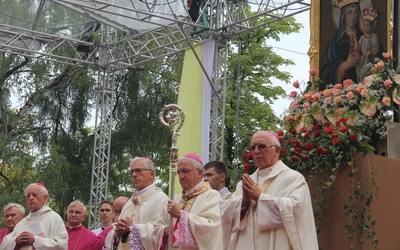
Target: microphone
[{"x": 124, "y": 237}]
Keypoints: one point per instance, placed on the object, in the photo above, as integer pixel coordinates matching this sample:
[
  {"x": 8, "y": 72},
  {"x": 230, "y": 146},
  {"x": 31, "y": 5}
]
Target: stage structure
[{"x": 115, "y": 35}]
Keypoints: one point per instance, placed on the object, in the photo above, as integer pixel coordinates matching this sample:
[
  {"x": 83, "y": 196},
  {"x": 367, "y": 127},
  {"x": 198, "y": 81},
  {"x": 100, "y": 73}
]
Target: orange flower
[
  {"x": 315, "y": 96},
  {"x": 350, "y": 95},
  {"x": 337, "y": 99},
  {"x": 326, "y": 92},
  {"x": 386, "y": 101},
  {"x": 379, "y": 65},
  {"x": 364, "y": 92}
]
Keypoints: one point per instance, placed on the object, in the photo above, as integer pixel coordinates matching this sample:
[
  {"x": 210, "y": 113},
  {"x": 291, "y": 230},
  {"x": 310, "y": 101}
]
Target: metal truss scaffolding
[{"x": 134, "y": 32}]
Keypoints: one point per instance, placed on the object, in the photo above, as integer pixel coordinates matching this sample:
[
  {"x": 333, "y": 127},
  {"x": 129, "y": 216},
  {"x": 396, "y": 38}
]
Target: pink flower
[
  {"x": 338, "y": 86},
  {"x": 313, "y": 72},
  {"x": 293, "y": 94},
  {"x": 386, "y": 101},
  {"x": 369, "y": 80},
  {"x": 336, "y": 92},
  {"x": 294, "y": 104},
  {"x": 379, "y": 65},
  {"x": 296, "y": 84},
  {"x": 387, "y": 55},
  {"x": 306, "y": 105},
  {"x": 350, "y": 95},
  {"x": 388, "y": 83},
  {"x": 314, "y": 104},
  {"x": 397, "y": 78},
  {"x": 328, "y": 100},
  {"x": 347, "y": 82}
]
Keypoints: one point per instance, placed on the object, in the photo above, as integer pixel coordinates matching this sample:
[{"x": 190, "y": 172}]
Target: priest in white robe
[
  {"x": 195, "y": 212},
  {"x": 41, "y": 229},
  {"x": 144, "y": 207},
  {"x": 271, "y": 209}
]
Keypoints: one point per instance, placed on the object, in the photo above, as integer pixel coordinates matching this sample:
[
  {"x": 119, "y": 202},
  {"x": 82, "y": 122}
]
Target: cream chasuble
[
  {"x": 281, "y": 219},
  {"x": 143, "y": 208},
  {"x": 48, "y": 228},
  {"x": 201, "y": 219}
]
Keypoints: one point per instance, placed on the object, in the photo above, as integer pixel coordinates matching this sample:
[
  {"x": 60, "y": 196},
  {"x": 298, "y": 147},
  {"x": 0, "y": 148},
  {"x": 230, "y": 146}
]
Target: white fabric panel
[{"x": 208, "y": 62}]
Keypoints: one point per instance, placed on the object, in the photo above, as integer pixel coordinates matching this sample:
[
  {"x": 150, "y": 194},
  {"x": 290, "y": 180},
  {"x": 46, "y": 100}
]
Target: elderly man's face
[
  {"x": 13, "y": 216},
  {"x": 265, "y": 153},
  {"x": 140, "y": 175},
  {"x": 188, "y": 175},
  {"x": 75, "y": 215},
  {"x": 35, "y": 200}
]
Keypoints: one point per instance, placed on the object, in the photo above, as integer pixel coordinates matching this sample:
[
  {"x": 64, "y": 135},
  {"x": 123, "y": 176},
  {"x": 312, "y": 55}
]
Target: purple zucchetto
[{"x": 194, "y": 157}]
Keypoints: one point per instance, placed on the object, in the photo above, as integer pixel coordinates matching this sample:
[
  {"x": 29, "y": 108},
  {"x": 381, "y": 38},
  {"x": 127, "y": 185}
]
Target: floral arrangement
[{"x": 323, "y": 129}]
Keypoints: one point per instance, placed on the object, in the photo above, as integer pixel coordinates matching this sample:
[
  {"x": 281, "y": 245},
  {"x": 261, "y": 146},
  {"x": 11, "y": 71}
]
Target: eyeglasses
[
  {"x": 261, "y": 147},
  {"x": 138, "y": 170},
  {"x": 185, "y": 171}
]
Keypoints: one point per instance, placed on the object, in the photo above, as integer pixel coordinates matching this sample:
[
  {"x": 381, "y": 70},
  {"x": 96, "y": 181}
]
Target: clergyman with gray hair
[
  {"x": 13, "y": 213},
  {"x": 42, "y": 228}
]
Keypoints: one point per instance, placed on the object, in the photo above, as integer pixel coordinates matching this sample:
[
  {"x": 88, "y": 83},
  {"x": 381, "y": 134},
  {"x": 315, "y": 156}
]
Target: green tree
[{"x": 252, "y": 69}]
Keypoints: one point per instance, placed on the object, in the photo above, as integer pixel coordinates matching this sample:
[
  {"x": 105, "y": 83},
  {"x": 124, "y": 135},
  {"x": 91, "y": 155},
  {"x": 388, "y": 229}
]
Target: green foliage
[{"x": 253, "y": 68}]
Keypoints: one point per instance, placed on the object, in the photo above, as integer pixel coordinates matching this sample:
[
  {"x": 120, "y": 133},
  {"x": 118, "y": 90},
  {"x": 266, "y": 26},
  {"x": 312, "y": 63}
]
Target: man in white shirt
[{"x": 216, "y": 173}]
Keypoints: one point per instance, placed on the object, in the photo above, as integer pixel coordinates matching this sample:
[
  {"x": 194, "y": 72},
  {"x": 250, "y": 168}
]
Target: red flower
[
  {"x": 335, "y": 141},
  {"x": 315, "y": 127},
  {"x": 329, "y": 130},
  {"x": 324, "y": 151},
  {"x": 353, "y": 137},
  {"x": 284, "y": 151},
  {"x": 297, "y": 142},
  {"x": 303, "y": 129},
  {"x": 343, "y": 129},
  {"x": 289, "y": 141},
  {"x": 309, "y": 146},
  {"x": 280, "y": 138},
  {"x": 246, "y": 167},
  {"x": 318, "y": 133},
  {"x": 304, "y": 158},
  {"x": 298, "y": 150},
  {"x": 293, "y": 131},
  {"x": 280, "y": 132},
  {"x": 307, "y": 135},
  {"x": 327, "y": 124},
  {"x": 294, "y": 158}
]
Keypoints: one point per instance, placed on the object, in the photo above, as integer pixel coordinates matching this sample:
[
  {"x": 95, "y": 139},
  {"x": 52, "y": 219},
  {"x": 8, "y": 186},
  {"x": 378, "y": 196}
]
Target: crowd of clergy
[{"x": 270, "y": 209}]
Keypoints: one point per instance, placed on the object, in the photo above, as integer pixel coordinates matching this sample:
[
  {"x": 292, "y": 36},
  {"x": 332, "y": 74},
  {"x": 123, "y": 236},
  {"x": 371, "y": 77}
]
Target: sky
[{"x": 294, "y": 47}]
